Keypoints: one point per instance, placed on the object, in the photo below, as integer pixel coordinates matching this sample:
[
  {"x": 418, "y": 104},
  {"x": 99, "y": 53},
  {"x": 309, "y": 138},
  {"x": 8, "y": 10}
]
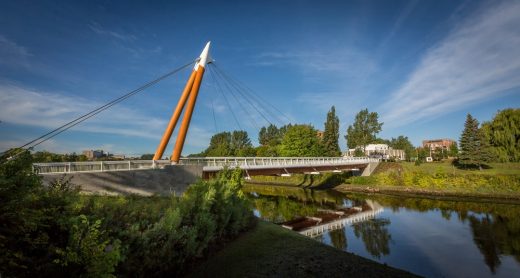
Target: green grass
[
  {"x": 447, "y": 167},
  {"x": 321, "y": 181},
  {"x": 437, "y": 178},
  {"x": 270, "y": 250}
]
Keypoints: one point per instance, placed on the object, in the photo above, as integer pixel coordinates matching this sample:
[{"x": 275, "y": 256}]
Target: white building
[{"x": 380, "y": 151}]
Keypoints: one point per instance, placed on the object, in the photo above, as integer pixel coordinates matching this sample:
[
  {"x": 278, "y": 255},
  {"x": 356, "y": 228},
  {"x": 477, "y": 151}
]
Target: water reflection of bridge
[{"x": 330, "y": 220}]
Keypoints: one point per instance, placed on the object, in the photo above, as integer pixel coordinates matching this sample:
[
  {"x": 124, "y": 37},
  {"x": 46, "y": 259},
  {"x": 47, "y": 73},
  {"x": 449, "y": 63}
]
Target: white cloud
[
  {"x": 478, "y": 60},
  {"x": 49, "y": 110},
  {"x": 12, "y": 53},
  {"x": 28, "y": 107},
  {"x": 343, "y": 61},
  {"x": 100, "y": 30}
]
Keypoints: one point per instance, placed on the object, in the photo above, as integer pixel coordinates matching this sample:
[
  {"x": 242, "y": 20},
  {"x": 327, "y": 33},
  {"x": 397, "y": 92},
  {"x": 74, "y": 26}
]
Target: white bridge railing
[
  {"x": 317, "y": 230},
  {"x": 209, "y": 163}
]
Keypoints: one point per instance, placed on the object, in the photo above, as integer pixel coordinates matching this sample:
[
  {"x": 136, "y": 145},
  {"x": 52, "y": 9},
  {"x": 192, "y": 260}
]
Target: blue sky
[{"x": 422, "y": 65}]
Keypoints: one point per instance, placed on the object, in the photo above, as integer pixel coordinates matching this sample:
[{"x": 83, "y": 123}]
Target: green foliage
[
  {"x": 267, "y": 151},
  {"x": 236, "y": 143},
  {"x": 207, "y": 211},
  {"x": 422, "y": 153},
  {"x": 454, "y": 150},
  {"x": 45, "y": 156},
  {"x": 88, "y": 253},
  {"x": 220, "y": 145},
  {"x": 47, "y": 231},
  {"x": 359, "y": 152},
  {"x": 301, "y": 140},
  {"x": 331, "y": 134},
  {"x": 271, "y": 136},
  {"x": 503, "y": 133},
  {"x": 475, "y": 149},
  {"x": 147, "y": 156},
  {"x": 240, "y": 143},
  {"x": 364, "y": 129},
  {"x": 403, "y": 143},
  {"x": 35, "y": 226},
  {"x": 437, "y": 176}
]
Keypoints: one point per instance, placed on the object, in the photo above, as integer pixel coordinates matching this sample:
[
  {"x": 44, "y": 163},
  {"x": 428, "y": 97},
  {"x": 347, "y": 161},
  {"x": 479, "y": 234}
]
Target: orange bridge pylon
[{"x": 191, "y": 90}]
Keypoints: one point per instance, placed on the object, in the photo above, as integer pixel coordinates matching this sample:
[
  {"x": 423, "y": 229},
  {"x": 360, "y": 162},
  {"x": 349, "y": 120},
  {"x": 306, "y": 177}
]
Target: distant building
[
  {"x": 118, "y": 156},
  {"x": 92, "y": 154},
  {"x": 380, "y": 151},
  {"x": 438, "y": 143},
  {"x": 320, "y": 133}
]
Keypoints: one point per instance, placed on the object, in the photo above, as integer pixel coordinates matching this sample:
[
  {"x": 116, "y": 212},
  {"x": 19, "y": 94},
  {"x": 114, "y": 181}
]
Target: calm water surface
[{"x": 427, "y": 237}]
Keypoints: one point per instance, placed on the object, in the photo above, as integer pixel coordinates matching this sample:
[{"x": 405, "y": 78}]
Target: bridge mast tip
[{"x": 204, "y": 57}]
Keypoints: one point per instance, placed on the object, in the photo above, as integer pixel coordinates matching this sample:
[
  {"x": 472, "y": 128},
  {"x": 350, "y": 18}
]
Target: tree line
[
  {"x": 305, "y": 140},
  {"x": 497, "y": 140}
]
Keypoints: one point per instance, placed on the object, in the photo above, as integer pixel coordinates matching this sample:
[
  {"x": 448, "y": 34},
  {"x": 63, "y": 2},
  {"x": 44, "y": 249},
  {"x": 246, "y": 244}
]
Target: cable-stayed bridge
[{"x": 120, "y": 172}]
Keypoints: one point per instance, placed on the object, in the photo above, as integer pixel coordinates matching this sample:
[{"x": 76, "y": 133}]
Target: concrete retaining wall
[
  {"x": 171, "y": 179},
  {"x": 371, "y": 167}
]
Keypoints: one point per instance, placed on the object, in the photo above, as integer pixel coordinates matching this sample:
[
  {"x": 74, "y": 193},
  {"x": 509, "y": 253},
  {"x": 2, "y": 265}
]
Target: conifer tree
[
  {"x": 474, "y": 148},
  {"x": 331, "y": 134}
]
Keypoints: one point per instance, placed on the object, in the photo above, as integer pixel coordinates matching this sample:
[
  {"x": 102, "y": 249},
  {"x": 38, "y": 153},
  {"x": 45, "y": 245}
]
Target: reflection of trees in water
[
  {"x": 495, "y": 236},
  {"x": 495, "y": 233},
  {"x": 279, "y": 209},
  {"x": 375, "y": 236},
  {"x": 338, "y": 238},
  {"x": 278, "y": 204}
]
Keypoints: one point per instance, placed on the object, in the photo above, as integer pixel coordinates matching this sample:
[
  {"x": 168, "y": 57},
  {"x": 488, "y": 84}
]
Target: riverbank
[
  {"x": 431, "y": 180},
  {"x": 440, "y": 180},
  {"x": 269, "y": 250},
  {"x": 430, "y": 194}
]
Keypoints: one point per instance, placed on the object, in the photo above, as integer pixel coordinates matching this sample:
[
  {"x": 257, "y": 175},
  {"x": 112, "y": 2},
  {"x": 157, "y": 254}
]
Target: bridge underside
[{"x": 265, "y": 171}]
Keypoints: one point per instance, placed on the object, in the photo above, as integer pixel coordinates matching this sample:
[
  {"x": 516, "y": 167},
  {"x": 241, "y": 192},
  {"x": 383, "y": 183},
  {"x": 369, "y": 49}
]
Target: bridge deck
[{"x": 210, "y": 164}]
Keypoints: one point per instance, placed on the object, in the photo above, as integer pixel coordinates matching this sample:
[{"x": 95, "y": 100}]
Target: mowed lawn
[{"x": 272, "y": 251}]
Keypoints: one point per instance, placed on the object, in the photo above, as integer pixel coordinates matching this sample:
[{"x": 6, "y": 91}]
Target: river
[{"x": 432, "y": 238}]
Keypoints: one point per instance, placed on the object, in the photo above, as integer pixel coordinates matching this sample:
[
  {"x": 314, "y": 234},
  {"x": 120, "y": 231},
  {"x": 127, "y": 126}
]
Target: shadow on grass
[{"x": 470, "y": 166}]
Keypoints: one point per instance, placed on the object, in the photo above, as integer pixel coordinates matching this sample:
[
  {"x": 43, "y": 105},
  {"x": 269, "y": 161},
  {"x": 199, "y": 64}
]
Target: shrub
[{"x": 53, "y": 231}]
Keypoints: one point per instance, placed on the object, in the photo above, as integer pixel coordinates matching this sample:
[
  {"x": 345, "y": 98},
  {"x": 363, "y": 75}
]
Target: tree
[
  {"x": 147, "y": 156},
  {"x": 236, "y": 143},
  {"x": 269, "y": 136},
  {"x": 220, "y": 145},
  {"x": 475, "y": 149},
  {"x": 301, "y": 140},
  {"x": 364, "y": 129},
  {"x": 454, "y": 150},
  {"x": 331, "y": 134},
  {"x": 503, "y": 133},
  {"x": 402, "y": 143},
  {"x": 241, "y": 144}
]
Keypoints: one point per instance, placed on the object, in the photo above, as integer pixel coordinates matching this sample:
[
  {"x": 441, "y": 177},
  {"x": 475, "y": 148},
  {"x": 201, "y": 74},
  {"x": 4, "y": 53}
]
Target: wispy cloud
[
  {"x": 478, "y": 60},
  {"x": 32, "y": 108},
  {"x": 100, "y": 30},
  {"x": 348, "y": 62},
  {"x": 13, "y": 54},
  {"x": 49, "y": 110}
]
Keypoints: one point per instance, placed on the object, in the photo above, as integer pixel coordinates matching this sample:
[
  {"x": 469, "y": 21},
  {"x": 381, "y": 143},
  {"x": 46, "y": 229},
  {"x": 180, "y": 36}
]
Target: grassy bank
[
  {"x": 270, "y": 250},
  {"x": 440, "y": 179},
  {"x": 324, "y": 180}
]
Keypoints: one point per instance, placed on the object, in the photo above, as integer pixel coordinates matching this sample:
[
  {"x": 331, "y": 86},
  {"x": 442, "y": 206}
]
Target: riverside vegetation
[
  {"x": 503, "y": 180},
  {"x": 499, "y": 180},
  {"x": 55, "y": 231}
]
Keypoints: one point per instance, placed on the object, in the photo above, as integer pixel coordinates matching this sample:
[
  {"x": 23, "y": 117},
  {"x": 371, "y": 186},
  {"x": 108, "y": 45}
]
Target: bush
[{"x": 53, "y": 231}]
